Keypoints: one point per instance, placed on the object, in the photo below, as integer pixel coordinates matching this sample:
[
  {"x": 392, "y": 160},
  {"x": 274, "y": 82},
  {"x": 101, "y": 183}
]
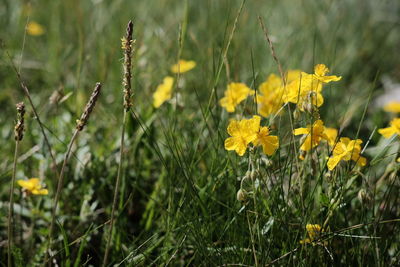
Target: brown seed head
[
  {"x": 89, "y": 108},
  {"x": 19, "y": 124},
  {"x": 127, "y": 46}
]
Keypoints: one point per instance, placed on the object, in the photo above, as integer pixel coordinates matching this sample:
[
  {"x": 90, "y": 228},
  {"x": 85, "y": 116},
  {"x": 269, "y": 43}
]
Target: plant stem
[
  {"x": 58, "y": 192},
  {"x": 116, "y": 189},
  {"x": 11, "y": 206}
]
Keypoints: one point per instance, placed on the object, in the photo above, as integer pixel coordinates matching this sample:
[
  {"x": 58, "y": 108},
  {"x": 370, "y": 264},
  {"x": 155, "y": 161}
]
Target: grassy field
[{"x": 191, "y": 175}]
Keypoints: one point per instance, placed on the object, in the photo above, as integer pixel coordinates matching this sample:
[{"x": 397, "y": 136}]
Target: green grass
[{"x": 177, "y": 203}]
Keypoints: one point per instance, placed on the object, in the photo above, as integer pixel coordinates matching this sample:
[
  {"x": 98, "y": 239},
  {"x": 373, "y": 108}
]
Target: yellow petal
[
  {"x": 333, "y": 161},
  {"x": 233, "y": 128},
  {"x": 387, "y": 132},
  {"x": 40, "y": 192},
  {"x": 299, "y": 131}
]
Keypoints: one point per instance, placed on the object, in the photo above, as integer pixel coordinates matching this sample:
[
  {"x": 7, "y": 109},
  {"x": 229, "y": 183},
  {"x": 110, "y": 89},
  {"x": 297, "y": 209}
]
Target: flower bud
[{"x": 241, "y": 195}]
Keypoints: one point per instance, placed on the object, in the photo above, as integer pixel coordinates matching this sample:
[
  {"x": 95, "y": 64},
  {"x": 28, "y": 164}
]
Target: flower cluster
[
  {"x": 300, "y": 88},
  {"x": 306, "y": 90},
  {"x": 248, "y": 131},
  {"x": 164, "y": 90}
]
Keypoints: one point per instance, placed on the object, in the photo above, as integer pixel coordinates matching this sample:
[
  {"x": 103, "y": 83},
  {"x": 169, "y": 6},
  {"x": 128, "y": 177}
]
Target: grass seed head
[
  {"x": 19, "y": 125},
  {"x": 80, "y": 124}
]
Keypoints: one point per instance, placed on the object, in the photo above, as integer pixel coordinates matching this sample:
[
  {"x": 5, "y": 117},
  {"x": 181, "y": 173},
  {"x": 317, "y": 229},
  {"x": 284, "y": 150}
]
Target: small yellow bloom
[
  {"x": 393, "y": 107},
  {"x": 393, "y": 129},
  {"x": 314, "y": 135},
  {"x": 183, "y": 66},
  {"x": 320, "y": 71},
  {"x": 35, "y": 29},
  {"x": 242, "y": 133},
  {"x": 234, "y": 94},
  {"x": 33, "y": 186},
  {"x": 268, "y": 142},
  {"x": 163, "y": 92},
  {"x": 346, "y": 149},
  {"x": 314, "y": 233}
]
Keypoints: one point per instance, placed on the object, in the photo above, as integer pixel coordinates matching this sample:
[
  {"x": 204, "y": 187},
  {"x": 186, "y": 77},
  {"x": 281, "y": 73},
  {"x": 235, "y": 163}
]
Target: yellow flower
[
  {"x": 248, "y": 131},
  {"x": 268, "y": 142},
  {"x": 347, "y": 150},
  {"x": 393, "y": 107},
  {"x": 270, "y": 98},
  {"x": 163, "y": 92},
  {"x": 234, "y": 94},
  {"x": 393, "y": 129},
  {"x": 320, "y": 71},
  {"x": 183, "y": 66},
  {"x": 314, "y": 135},
  {"x": 305, "y": 90},
  {"x": 33, "y": 186},
  {"x": 35, "y": 29},
  {"x": 242, "y": 133},
  {"x": 314, "y": 233}
]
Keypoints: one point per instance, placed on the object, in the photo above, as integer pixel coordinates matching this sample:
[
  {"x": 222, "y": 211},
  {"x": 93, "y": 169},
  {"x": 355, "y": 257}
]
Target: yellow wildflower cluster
[
  {"x": 248, "y": 131},
  {"x": 164, "y": 90},
  {"x": 300, "y": 88},
  {"x": 33, "y": 186}
]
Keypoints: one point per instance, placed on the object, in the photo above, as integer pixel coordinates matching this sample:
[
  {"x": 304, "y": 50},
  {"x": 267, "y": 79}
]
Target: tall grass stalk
[
  {"x": 79, "y": 127},
  {"x": 18, "y": 135},
  {"x": 127, "y": 46}
]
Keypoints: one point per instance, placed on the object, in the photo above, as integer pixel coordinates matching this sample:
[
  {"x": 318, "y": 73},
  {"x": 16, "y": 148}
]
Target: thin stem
[
  {"x": 11, "y": 205},
  {"x": 28, "y": 95},
  {"x": 58, "y": 192},
  {"x": 116, "y": 189}
]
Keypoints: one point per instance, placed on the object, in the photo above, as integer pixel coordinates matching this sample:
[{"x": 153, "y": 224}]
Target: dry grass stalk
[
  {"x": 18, "y": 135},
  {"x": 127, "y": 43},
  {"x": 79, "y": 127}
]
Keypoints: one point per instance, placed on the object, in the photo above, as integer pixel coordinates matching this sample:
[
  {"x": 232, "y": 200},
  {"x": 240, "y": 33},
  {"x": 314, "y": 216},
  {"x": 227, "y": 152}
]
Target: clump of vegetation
[{"x": 226, "y": 133}]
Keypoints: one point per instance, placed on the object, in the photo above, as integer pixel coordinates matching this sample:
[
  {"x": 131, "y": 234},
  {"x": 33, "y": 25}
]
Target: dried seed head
[
  {"x": 19, "y": 124},
  {"x": 127, "y": 46},
  {"x": 89, "y": 108}
]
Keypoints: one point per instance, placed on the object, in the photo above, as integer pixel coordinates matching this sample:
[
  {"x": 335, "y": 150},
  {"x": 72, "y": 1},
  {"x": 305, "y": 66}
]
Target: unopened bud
[{"x": 241, "y": 195}]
